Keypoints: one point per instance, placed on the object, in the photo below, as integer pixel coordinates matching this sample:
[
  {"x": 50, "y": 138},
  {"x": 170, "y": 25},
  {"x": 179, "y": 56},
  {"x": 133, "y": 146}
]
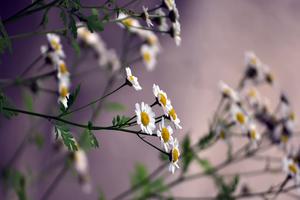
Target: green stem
[
  {"x": 14, "y": 18},
  {"x": 93, "y": 102},
  {"x": 29, "y": 67},
  {"x": 23, "y": 10},
  {"x": 155, "y": 147},
  {"x": 55, "y": 182},
  {"x": 85, "y": 126}
]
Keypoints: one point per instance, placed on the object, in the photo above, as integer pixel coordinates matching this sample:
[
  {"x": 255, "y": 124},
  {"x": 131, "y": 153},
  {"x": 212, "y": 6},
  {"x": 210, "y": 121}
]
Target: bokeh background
[{"x": 215, "y": 35}]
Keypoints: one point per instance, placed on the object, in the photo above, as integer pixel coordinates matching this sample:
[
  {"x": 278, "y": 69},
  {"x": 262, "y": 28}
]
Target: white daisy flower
[
  {"x": 145, "y": 117},
  {"x": 173, "y": 116},
  {"x": 253, "y": 97},
  {"x": 64, "y": 86},
  {"x": 129, "y": 22},
  {"x": 147, "y": 17},
  {"x": 290, "y": 167},
  {"x": 256, "y": 70},
  {"x": 238, "y": 115},
  {"x": 55, "y": 44},
  {"x": 161, "y": 97},
  {"x": 253, "y": 135},
  {"x": 81, "y": 162},
  {"x": 169, "y": 4},
  {"x": 175, "y": 154},
  {"x": 176, "y": 32},
  {"x": 62, "y": 69},
  {"x": 110, "y": 60},
  {"x": 149, "y": 56},
  {"x": 252, "y": 60},
  {"x": 82, "y": 168},
  {"x": 152, "y": 40},
  {"x": 229, "y": 92},
  {"x": 165, "y": 134},
  {"x": 132, "y": 79},
  {"x": 88, "y": 37}
]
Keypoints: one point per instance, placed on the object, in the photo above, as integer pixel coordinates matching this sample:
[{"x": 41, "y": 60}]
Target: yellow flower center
[
  {"x": 173, "y": 114},
  {"x": 64, "y": 91},
  {"x": 175, "y": 155},
  {"x": 253, "y": 134},
  {"x": 63, "y": 68},
  {"x": 131, "y": 78},
  {"x": 240, "y": 117},
  {"x": 152, "y": 40},
  {"x": 163, "y": 99},
  {"x": 293, "y": 168},
  {"x": 147, "y": 57},
  {"x": 227, "y": 92},
  {"x": 270, "y": 78},
  {"x": 55, "y": 45},
  {"x": 165, "y": 134},
  {"x": 128, "y": 22},
  {"x": 284, "y": 138},
  {"x": 292, "y": 116},
  {"x": 85, "y": 34},
  {"x": 222, "y": 134},
  {"x": 253, "y": 61},
  {"x": 145, "y": 118},
  {"x": 252, "y": 93}
]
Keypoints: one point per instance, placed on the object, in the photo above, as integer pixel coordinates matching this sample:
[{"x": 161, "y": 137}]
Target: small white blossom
[
  {"x": 145, "y": 117},
  {"x": 175, "y": 154},
  {"x": 132, "y": 79},
  {"x": 165, "y": 134}
]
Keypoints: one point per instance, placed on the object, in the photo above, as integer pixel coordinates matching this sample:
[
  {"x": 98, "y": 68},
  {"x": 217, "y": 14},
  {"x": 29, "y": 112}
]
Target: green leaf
[
  {"x": 120, "y": 121},
  {"x": 72, "y": 26},
  {"x": 5, "y": 36},
  {"x": 38, "y": 140},
  {"x": 5, "y": 102},
  {"x": 114, "y": 107},
  {"x": 28, "y": 101},
  {"x": 17, "y": 181},
  {"x": 101, "y": 196},
  {"x": 45, "y": 19},
  {"x": 88, "y": 140},
  {"x": 64, "y": 133},
  {"x": 76, "y": 47},
  {"x": 187, "y": 152},
  {"x": 205, "y": 141},
  {"x": 93, "y": 22},
  {"x": 206, "y": 165},
  {"x": 226, "y": 190},
  {"x": 147, "y": 186},
  {"x": 163, "y": 157},
  {"x": 63, "y": 17},
  {"x": 140, "y": 175}
]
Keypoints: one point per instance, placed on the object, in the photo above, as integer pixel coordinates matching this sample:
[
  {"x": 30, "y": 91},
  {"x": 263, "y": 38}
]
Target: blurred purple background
[{"x": 215, "y": 35}]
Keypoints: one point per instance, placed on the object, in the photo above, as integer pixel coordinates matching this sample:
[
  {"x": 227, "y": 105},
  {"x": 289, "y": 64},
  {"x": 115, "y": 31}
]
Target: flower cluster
[
  {"x": 150, "y": 47},
  {"x": 107, "y": 58},
  {"x": 55, "y": 56},
  {"x": 246, "y": 110},
  {"x": 147, "y": 121}
]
